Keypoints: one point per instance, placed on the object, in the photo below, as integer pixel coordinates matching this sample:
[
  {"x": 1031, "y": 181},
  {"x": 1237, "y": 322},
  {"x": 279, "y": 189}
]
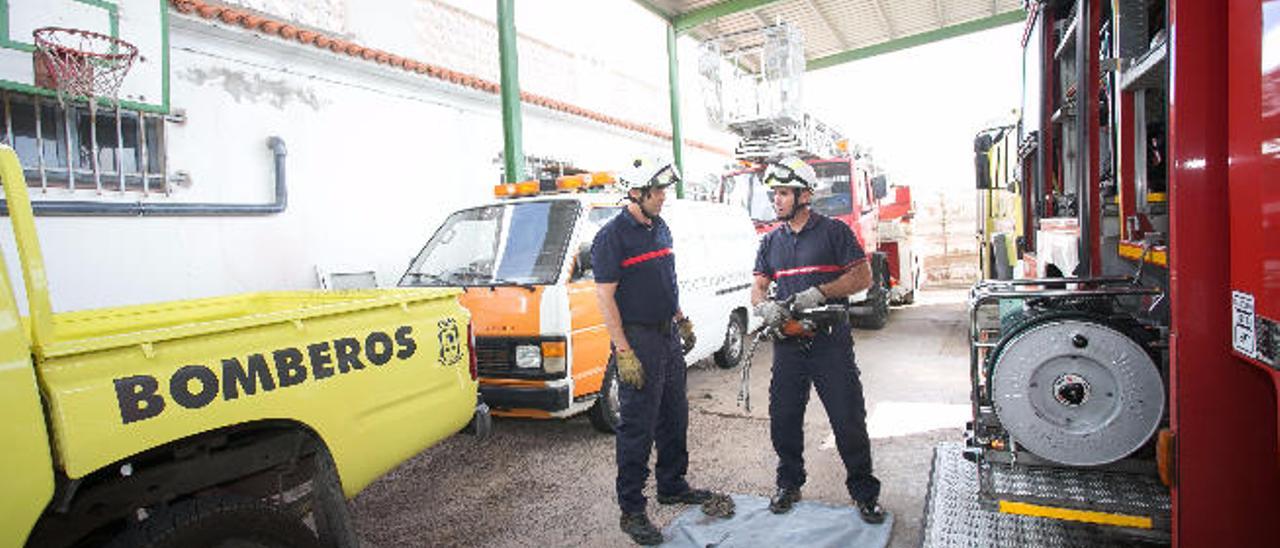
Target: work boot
[
  {"x": 691, "y": 496},
  {"x": 640, "y": 529},
  {"x": 784, "y": 499},
  {"x": 870, "y": 511}
]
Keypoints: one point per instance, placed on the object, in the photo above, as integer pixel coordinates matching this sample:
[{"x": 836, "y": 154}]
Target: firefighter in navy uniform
[
  {"x": 636, "y": 286},
  {"x": 814, "y": 260}
]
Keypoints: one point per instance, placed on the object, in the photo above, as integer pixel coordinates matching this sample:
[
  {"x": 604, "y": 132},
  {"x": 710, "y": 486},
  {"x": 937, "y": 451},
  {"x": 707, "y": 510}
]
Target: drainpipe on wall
[{"x": 146, "y": 209}]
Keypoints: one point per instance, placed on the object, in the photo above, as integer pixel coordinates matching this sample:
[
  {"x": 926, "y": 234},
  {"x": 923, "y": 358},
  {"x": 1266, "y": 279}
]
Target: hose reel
[{"x": 1076, "y": 391}]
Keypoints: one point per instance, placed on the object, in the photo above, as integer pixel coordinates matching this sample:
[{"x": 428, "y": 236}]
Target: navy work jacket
[
  {"x": 821, "y": 251},
  {"x": 639, "y": 259}
]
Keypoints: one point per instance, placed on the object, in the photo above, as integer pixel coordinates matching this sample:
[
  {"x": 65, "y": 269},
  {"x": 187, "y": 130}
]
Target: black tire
[
  {"x": 909, "y": 297},
  {"x": 218, "y": 521},
  {"x": 606, "y": 413},
  {"x": 877, "y": 299},
  {"x": 329, "y": 505},
  {"x": 735, "y": 342}
]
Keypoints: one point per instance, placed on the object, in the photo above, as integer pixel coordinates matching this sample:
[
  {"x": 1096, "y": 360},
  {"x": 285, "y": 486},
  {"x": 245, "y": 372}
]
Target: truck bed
[{"x": 104, "y": 328}]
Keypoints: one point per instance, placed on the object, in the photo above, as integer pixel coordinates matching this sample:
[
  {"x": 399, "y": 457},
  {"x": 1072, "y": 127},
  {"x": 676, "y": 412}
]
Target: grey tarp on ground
[{"x": 809, "y": 524}]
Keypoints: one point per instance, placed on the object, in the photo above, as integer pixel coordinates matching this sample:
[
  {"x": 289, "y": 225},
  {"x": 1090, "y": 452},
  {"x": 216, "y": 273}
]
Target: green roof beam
[
  {"x": 688, "y": 21},
  {"x": 673, "y": 82},
  {"x": 970, "y": 27},
  {"x": 647, "y": 4},
  {"x": 509, "y": 70}
]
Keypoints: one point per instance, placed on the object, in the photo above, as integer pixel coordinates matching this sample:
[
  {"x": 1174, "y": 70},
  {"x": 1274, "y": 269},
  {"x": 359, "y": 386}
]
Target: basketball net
[{"x": 82, "y": 64}]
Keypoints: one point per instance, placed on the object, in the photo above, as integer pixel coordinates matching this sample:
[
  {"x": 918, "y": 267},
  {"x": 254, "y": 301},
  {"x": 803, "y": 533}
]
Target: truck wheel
[
  {"x": 606, "y": 412},
  {"x": 329, "y": 505},
  {"x": 218, "y": 521},
  {"x": 735, "y": 343},
  {"x": 877, "y": 299},
  {"x": 909, "y": 297}
]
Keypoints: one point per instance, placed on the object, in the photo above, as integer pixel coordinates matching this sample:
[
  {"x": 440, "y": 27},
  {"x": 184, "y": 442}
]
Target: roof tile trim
[{"x": 258, "y": 23}]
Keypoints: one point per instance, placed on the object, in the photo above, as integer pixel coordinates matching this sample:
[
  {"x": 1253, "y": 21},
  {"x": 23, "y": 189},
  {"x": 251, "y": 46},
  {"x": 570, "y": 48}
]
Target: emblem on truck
[
  {"x": 450, "y": 342},
  {"x": 195, "y": 386}
]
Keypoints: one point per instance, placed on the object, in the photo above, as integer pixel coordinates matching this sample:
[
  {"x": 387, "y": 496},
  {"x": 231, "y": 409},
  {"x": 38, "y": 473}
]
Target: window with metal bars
[{"x": 110, "y": 150}]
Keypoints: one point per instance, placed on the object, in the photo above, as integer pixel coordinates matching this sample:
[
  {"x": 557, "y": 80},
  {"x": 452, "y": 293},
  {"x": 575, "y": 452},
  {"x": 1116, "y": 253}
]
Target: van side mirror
[
  {"x": 582, "y": 262},
  {"x": 880, "y": 186}
]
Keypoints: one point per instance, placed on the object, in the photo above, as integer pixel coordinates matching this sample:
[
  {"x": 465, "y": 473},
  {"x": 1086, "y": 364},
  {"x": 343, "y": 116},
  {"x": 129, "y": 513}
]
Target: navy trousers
[
  {"x": 658, "y": 413},
  {"x": 827, "y": 364}
]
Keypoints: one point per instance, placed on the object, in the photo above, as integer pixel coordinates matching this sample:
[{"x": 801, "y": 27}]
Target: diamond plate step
[{"x": 955, "y": 515}]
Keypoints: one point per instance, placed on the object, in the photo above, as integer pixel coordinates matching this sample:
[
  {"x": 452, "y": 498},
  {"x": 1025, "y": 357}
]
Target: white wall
[{"x": 377, "y": 158}]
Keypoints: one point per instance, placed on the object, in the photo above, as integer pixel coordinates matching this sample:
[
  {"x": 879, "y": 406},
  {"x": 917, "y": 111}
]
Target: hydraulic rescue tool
[{"x": 802, "y": 324}]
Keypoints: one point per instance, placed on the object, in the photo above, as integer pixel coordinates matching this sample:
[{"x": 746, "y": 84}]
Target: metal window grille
[{"x": 72, "y": 148}]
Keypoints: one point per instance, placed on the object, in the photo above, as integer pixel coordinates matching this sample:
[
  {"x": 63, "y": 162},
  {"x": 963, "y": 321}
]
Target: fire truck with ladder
[
  {"x": 752, "y": 90},
  {"x": 1125, "y": 346}
]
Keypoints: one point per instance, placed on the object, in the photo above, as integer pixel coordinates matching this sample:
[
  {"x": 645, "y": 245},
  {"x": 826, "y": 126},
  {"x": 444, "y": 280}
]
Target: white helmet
[
  {"x": 790, "y": 172},
  {"x": 649, "y": 172}
]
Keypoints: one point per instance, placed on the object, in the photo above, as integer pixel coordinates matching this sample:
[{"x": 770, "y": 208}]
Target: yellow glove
[
  {"x": 630, "y": 371},
  {"x": 687, "y": 338}
]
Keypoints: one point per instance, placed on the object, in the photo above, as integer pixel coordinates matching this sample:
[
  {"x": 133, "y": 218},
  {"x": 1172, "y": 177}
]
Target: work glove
[
  {"x": 630, "y": 372},
  {"x": 809, "y": 298},
  {"x": 687, "y": 338},
  {"x": 771, "y": 312}
]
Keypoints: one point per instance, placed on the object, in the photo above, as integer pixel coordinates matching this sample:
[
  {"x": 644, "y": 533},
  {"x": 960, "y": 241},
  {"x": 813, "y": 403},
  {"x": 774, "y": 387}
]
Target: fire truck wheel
[
  {"x": 218, "y": 521},
  {"x": 877, "y": 300},
  {"x": 604, "y": 414},
  {"x": 735, "y": 343}
]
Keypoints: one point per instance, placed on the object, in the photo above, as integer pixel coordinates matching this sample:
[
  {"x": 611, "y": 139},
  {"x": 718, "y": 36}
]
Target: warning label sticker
[{"x": 1243, "y": 332}]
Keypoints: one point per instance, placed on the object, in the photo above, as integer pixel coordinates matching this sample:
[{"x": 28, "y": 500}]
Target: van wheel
[
  {"x": 606, "y": 413},
  {"x": 735, "y": 342},
  {"x": 218, "y": 521}
]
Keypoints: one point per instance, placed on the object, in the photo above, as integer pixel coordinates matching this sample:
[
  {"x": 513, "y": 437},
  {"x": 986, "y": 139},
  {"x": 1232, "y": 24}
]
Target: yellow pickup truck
[{"x": 216, "y": 421}]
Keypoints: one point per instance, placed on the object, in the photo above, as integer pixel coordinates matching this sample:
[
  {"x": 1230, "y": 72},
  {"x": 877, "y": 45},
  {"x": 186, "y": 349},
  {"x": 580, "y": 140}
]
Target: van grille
[
  {"x": 496, "y": 357},
  {"x": 493, "y": 355}
]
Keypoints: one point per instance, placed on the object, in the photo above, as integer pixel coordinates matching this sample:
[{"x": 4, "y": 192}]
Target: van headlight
[{"x": 528, "y": 356}]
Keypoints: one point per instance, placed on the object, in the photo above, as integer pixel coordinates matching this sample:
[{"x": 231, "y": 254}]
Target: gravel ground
[{"x": 550, "y": 483}]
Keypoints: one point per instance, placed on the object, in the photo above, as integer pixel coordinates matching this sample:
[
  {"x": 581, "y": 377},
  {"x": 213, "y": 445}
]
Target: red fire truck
[
  {"x": 850, "y": 191},
  {"x": 1137, "y": 391}
]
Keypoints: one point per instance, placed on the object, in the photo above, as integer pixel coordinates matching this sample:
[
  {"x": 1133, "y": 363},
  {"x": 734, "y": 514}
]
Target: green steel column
[
  {"x": 673, "y": 79},
  {"x": 512, "y": 150}
]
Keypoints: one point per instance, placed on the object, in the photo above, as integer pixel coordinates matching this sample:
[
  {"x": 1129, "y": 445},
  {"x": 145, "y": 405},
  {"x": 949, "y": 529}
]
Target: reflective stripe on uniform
[
  {"x": 645, "y": 257},
  {"x": 808, "y": 270}
]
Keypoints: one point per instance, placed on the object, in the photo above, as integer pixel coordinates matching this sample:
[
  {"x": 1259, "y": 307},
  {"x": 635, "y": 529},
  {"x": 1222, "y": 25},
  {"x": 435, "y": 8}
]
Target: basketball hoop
[{"x": 82, "y": 63}]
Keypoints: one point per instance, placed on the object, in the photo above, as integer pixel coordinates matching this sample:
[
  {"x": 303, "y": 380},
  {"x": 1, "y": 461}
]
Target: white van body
[{"x": 715, "y": 248}]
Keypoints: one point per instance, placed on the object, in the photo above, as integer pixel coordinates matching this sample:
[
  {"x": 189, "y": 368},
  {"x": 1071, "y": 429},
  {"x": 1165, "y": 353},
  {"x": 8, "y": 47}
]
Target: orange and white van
[{"x": 524, "y": 263}]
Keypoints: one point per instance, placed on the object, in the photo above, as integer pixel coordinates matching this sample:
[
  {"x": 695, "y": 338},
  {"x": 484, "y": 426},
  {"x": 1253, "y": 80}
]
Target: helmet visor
[
  {"x": 780, "y": 175},
  {"x": 665, "y": 177}
]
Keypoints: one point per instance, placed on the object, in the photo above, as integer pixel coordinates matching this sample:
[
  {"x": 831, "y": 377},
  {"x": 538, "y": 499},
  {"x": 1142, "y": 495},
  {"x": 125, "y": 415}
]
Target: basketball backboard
[{"x": 143, "y": 23}]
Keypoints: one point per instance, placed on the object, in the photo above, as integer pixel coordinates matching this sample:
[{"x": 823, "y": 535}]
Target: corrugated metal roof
[{"x": 838, "y": 31}]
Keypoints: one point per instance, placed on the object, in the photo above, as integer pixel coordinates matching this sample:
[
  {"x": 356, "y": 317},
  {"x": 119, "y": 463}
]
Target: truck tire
[
  {"x": 329, "y": 505},
  {"x": 606, "y": 412},
  {"x": 218, "y": 521},
  {"x": 877, "y": 299},
  {"x": 735, "y": 342}
]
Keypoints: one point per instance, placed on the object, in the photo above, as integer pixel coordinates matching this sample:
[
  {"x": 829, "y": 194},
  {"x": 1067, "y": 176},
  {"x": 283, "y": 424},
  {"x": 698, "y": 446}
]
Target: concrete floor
[{"x": 550, "y": 483}]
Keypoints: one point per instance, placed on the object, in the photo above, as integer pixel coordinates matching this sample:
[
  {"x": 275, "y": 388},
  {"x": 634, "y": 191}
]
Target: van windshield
[{"x": 503, "y": 244}]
